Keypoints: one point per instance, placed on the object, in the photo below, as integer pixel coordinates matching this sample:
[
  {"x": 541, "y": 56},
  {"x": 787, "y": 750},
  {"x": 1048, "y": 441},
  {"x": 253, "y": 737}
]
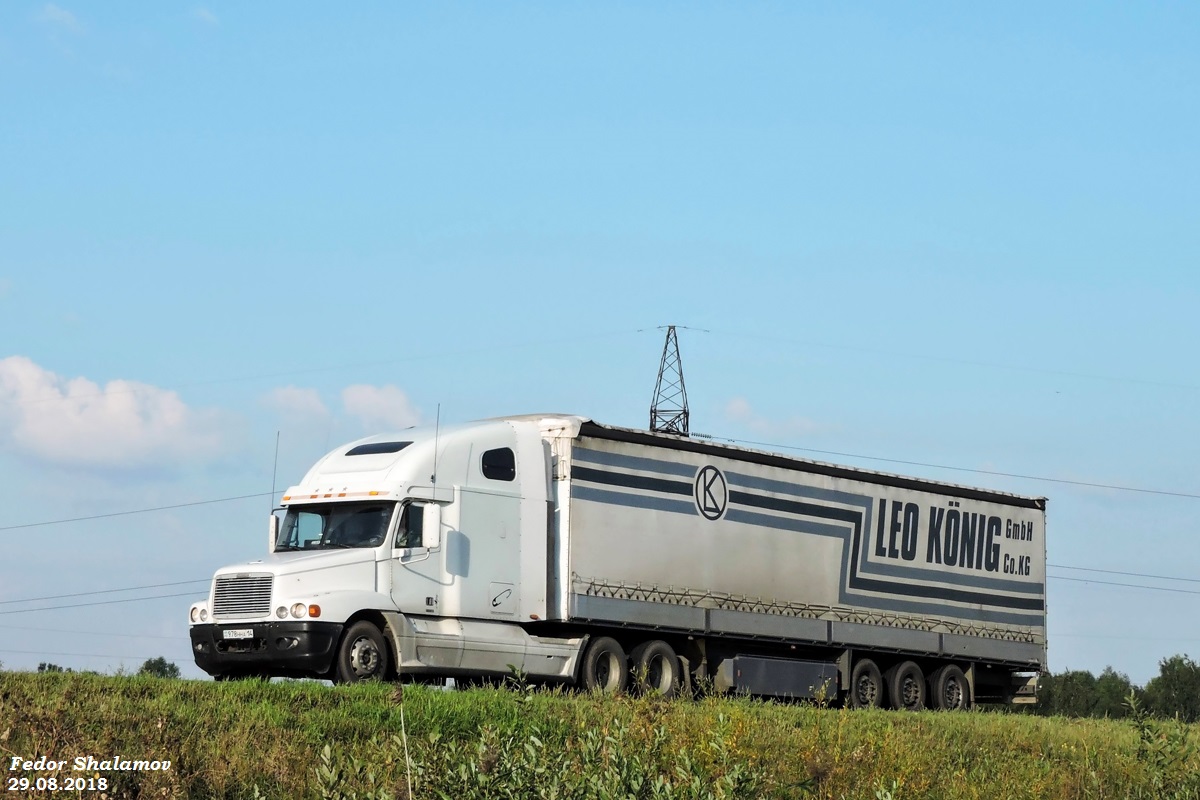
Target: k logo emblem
[{"x": 712, "y": 495}]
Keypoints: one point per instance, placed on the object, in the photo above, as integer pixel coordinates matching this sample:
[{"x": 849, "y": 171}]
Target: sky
[{"x": 949, "y": 240}]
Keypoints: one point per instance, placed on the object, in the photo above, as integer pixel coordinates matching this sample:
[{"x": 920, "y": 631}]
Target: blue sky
[{"x": 940, "y": 234}]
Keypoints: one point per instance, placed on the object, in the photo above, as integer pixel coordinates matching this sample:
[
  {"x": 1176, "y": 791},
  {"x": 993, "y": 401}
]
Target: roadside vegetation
[
  {"x": 1173, "y": 693},
  {"x": 306, "y": 740}
]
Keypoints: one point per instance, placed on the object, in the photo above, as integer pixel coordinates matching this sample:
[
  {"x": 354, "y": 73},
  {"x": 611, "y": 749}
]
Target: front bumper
[{"x": 300, "y": 648}]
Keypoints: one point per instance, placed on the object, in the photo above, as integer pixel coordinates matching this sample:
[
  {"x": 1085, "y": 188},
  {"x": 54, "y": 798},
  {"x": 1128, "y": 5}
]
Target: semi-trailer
[{"x": 618, "y": 559}]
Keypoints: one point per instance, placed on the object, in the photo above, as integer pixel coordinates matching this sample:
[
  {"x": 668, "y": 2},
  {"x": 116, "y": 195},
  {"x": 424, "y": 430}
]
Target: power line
[
  {"x": 774, "y": 445},
  {"x": 82, "y": 655},
  {"x": 1128, "y": 574},
  {"x": 134, "y": 511},
  {"x": 205, "y": 580},
  {"x": 533, "y": 343},
  {"x": 964, "y": 361},
  {"x": 104, "y": 591},
  {"x": 193, "y": 594},
  {"x": 1093, "y": 485},
  {"x": 960, "y": 469},
  {"x": 99, "y": 603},
  {"x": 1122, "y": 638},
  {"x": 105, "y": 633},
  {"x": 1111, "y": 583}
]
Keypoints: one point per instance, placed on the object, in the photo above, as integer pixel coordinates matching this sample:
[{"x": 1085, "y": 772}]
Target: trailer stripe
[
  {"x": 632, "y": 500},
  {"x": 606, "y": 459},
  {"x": 633, "y": 482}
]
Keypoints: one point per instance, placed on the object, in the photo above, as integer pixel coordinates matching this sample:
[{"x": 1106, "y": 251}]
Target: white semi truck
[{"x": 617, "y": 559}]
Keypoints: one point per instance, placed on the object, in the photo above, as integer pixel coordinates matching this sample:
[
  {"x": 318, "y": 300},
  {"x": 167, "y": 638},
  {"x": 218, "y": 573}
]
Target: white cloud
[
  {"x": 59, "y": 17},
  {"x": 123, "y": 424},
  {"x": 295, "y": 403},
  {"x": 379, "y": 407},
  {"x": 740, "y": 411},
  {"x": 204, "y": 15}
]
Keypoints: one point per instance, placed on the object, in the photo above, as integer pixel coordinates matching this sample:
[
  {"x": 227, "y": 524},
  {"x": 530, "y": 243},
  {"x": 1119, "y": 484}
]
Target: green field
[{"x": 306, "y": 740}]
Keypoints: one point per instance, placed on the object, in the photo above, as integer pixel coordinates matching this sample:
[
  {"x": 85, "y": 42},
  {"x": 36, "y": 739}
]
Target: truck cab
[{"x": 418, "y": 552}]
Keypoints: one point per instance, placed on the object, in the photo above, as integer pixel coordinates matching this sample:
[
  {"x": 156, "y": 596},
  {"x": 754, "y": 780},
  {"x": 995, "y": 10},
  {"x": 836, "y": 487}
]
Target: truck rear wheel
[
  {"x": 605, "y": 668},
  {"x": 948, "y": 689},
  {"x": 906, "y": 686},
  {"x": 655, "y": 668},
  {"x": 866, "y": 685},
  {"x": 362, "y": 655}
]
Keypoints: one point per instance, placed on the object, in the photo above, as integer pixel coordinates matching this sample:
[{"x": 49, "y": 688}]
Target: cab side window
[
  {"x": 499, "y": 464},
  {"x": 411, "y": 528}
]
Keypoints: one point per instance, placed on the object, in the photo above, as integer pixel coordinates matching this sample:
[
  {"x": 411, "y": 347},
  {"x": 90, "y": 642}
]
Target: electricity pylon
[{"x": 669, "y": 409}]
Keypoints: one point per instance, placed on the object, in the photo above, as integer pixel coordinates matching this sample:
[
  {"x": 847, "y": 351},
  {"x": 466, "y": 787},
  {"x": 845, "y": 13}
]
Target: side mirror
[
  {"x": 273, "y": 532},
  {"x": 431, "y": 525}
]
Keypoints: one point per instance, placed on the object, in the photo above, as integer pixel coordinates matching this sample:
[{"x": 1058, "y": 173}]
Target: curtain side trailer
[{"x": 619, "y": 559}]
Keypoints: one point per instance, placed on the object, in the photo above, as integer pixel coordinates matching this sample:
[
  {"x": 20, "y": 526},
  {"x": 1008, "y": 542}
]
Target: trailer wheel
[
  {"x": 906, "y": 686},
  {"x": 655, "y": 668},
  {"x": 605, "y": 668},
  {"x": 362, "y": 655},
  {"x": 866, "y": 685},
  {"x": 948, "y": 689}
]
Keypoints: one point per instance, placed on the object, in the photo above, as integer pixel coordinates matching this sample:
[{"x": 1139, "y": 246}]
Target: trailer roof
[{"x": 767, "y": 458}]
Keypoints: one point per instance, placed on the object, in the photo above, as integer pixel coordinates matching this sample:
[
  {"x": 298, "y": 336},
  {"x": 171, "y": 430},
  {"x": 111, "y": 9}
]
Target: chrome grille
[{"x": 242, "y": 596}]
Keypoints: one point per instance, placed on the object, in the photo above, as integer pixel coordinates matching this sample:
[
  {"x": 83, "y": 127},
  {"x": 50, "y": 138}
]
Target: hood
[
  {"x": 303, "y": 561},
  {"x": 307, "y": 575}
]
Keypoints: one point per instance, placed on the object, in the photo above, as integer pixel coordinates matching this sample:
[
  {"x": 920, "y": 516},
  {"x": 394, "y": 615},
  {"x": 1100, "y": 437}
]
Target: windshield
[{"x": 330, "y": 526}]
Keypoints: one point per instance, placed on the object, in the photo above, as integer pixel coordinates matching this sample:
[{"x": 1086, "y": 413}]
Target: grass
[{"x": 306, "y": 740}]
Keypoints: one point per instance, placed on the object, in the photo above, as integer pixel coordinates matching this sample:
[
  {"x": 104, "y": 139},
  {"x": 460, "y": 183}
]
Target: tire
[
  {"x": 655, "y": 669},
  {"x": 906, "y": 686},
  {"x": 949, "y": 690},
  {"x": 605, "y": 668},
  {"x": 362, "y": 655},
  {"x": 866, "y": 685}
]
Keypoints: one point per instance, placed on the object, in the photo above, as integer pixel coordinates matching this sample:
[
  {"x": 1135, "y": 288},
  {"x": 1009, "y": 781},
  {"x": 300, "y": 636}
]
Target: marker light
[{"x": 314, "y": 611}]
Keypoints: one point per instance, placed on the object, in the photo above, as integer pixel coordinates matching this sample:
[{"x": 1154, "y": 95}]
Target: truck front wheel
[
  {"x": 362, "y": 655},
  {"x": 605, "y": 668}
]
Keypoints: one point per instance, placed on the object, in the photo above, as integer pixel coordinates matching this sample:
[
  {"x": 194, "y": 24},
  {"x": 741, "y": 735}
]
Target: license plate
[{"x": 238, "y": 633}]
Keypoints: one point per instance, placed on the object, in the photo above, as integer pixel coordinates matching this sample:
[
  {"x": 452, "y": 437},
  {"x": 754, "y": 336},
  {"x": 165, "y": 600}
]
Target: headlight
[
  {"x": 195, "y": 615},
  {"x": 281, "y": 612},
  {"x": 203, "y": 614},
  {"x": 299, "y": 610}
]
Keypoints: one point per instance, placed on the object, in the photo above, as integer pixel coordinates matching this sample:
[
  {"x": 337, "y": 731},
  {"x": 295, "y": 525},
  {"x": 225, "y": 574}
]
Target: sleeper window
[{"x": 500, "y": 464}]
